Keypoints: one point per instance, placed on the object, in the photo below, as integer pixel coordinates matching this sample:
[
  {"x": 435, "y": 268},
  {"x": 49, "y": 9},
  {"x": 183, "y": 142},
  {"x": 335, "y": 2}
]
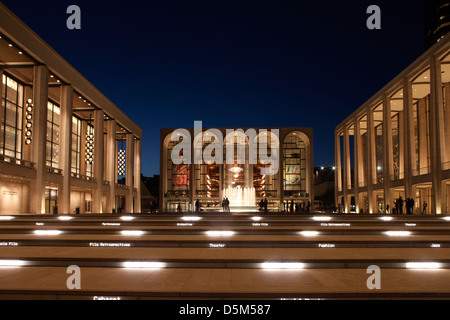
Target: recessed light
[
  {"x": 308, "y": 233},
  {"x": 283, "y": 265},
  {"x": 191, "y": 218},
  {"x": 220, "y": 233},
  {"x": 6, "y": 217},
  {"x": 423, "y": 265},
  {"x": 65, "y": 218},
  {"x": 143, "y": 265},
  {"x": 398, "y": 233},
  {"x": 127, "y": 218},
  {"x": 47, "y": 232},
  {"x": 321, "y": 218},
  {"x": 132, "y": 232},
  {"x": 11, "y": 263}
]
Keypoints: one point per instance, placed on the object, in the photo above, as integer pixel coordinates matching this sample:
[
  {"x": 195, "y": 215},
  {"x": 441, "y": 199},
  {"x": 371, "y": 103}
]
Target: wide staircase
[{"x": 225, "y": 256}]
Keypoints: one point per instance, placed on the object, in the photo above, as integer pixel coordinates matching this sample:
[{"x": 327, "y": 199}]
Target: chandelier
[{"x": 236, "y": 170}]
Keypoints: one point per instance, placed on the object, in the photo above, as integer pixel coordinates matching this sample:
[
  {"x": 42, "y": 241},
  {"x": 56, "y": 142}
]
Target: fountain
[{"x": 241, "y": 199}]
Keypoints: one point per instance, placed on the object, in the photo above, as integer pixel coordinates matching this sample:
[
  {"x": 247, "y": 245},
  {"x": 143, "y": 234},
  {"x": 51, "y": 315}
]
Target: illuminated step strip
[{"x": 223, "y": 264}]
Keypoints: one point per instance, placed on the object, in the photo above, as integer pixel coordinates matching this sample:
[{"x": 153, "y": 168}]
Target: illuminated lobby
[
  {"x": 397, "y": 144},
  {"x": 243, "y": 184},
  {"x": 51, "y": 159}
]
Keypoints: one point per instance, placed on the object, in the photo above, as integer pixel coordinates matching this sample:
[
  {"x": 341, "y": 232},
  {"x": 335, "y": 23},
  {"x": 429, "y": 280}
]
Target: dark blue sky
[{"x": 233, "y": 63}]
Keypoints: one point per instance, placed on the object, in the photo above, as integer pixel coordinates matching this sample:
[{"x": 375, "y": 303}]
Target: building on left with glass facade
[{"x": 64, "y": 147}]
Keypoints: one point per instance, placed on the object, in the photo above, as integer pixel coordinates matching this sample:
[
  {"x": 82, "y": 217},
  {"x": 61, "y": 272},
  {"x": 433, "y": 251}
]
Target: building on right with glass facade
[{"x": 397, "y": 144}]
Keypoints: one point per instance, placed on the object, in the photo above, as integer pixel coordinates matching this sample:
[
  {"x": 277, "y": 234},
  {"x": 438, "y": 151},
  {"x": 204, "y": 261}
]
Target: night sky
[{"x": 233, "y": 63}]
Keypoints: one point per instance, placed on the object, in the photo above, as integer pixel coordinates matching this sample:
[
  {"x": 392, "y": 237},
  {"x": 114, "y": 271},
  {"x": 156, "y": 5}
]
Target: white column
[
  {"x": 1, "y": 95},
  {"x": 437, "y": 136},
  {"x": 66, "y": 146},
  {"x": 137, "y": 175},
  {"x": 371, "y": 160},
  {"x": 356, "y": 164},
  {"x": 40, "y": 99},
  {"x": 129, "y": 173},
  {"x": 337, "y": 165},
  {"x": 98, "y": 160},
  {"x": 388, "y": 151},
  {"x": 111, "y": 165},
  {"x": 410, "y": 150},
  {"x": 347, "y": 169}
]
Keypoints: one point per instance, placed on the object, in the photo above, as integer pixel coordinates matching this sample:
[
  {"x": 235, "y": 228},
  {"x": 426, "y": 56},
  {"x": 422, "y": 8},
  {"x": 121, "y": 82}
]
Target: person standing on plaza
[
  {"x": 424, "y": 208},
  {"x": 400, "y": 205}
]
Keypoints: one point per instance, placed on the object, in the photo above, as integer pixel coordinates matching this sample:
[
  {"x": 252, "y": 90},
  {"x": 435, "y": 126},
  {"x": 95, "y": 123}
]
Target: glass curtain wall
[
  {"x": 12, "y": 118},
  {"x": 53, "y": 135}
]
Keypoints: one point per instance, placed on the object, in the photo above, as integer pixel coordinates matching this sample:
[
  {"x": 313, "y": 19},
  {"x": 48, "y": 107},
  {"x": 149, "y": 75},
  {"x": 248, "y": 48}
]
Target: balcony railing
[
  {"x": 421, "y": 171},
  {"x": 82, "y": 177},
  {"x": 53, "y": 170},
  {"x": 122, "y": 186},
  {"x": 446, "y": 165},
  {"x": 19, "y": 162},
  {"x": 397, "y": 176}
]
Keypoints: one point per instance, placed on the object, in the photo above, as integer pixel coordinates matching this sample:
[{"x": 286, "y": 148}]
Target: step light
[
  {"x": 191, "y": 218},
  {"x": 143, "y": 265},
  {"x": 320, "y": 218},
  {"x": 127, "y": 218},
  {"x": 47, "y": 232},
  {"x": 387, "y": 218},
  {"x": 398, "y": 233},
  {"x": 65, "y": 218},
  {"x": 423, "y": 265},
  {"x": 132, "y": 232},
  {"x": 11, "y": 263},
  {"x": 220, "y": 233},
  {"x": 309, "y": 233},
  {"x": 6, "y": 217},
  {"x": 282, "y": 265}
]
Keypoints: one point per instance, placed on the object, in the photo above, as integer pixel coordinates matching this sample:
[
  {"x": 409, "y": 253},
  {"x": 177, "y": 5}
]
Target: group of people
[
  {"x": 409, "y": 204},
  {"x": 263, "y": 205},
  {"x": 296, "y": 207},
  {"x": 225, "y": 205}
]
